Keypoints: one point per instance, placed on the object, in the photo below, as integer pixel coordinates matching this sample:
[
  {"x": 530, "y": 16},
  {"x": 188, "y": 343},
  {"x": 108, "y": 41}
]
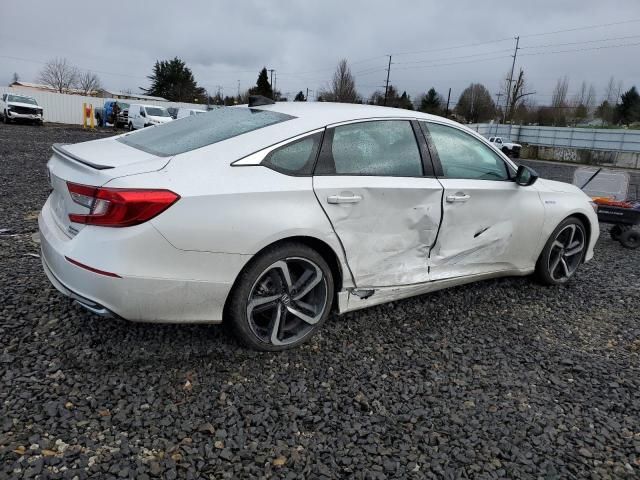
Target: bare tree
[
  {"x": 343, "y": 86},
  {"x": 583, "y": 102},
  {"x": 89, "y": 83},
  {"x": 559, "y": 100},
  {"x": 606, "y": 109},
  {"x": 59, "y": 75},
  {"x": 475, "y": 104},
  {"x": 515, "y": 97}
]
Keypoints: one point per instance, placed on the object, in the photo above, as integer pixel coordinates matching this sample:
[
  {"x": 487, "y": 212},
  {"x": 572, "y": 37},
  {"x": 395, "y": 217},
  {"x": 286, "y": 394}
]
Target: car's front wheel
[
  {"x": 281, "y": 298},
  {"x": 5, "y": 117},
  {"x": 563, "y": 252}
]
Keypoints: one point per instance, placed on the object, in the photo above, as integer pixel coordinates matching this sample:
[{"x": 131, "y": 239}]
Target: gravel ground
[{"x": 500, "y": 379}]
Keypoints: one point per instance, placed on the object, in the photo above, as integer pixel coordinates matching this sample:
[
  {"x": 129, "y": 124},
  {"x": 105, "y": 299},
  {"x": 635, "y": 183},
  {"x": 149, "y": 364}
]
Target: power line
[
  {"x": 581, "y": 42},
  {"x": 587, "y": 27},
  {"x": 455, "y": 63},
  {"x": 415, "y": 52},
  {"x": 453, "y": 58},
  {"x": 582, "y": 49}
]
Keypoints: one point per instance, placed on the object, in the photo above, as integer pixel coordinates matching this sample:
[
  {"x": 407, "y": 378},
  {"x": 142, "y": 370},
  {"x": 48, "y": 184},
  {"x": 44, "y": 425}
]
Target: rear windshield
[{"x": 198, "y": 131}]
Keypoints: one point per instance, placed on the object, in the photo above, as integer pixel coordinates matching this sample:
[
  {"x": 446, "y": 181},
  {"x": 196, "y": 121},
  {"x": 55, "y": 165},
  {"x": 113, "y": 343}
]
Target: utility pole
[
  {"x": 238, "y": 90},
  {"x": 386, "y": 85},
  {"x": 271, "y": 70},
  {"x": 498, "y": 95},
  {"x": 306, "y": 99},
  {"x": 275, "y": 80},
  {"x": 513, "y": 65},
  {"x": 446, "y": 113}
]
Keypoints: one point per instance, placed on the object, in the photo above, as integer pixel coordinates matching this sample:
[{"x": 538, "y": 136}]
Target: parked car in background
[
  {"x": 22, "y": 108},
  {"x": 104, "y": 114},
  {"x": 273, "y": 214},
  {"x": 141, "y": 116},
  {"x": 508, "y": 148},
  {"x": 186, "y": 112}
]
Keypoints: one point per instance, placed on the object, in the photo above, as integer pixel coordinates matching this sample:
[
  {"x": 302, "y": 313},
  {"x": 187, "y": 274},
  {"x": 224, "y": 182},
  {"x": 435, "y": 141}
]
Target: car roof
[{"x": 319, "y": 114}]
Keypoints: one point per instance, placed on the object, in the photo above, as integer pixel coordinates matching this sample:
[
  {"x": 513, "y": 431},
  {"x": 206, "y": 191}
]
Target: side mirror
[
  {"x": 526, "y": 176},
  {"x": 142, "y": 114}
]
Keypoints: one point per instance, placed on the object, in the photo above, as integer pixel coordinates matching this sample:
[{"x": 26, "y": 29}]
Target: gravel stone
[{"x": 498, "y": 379}]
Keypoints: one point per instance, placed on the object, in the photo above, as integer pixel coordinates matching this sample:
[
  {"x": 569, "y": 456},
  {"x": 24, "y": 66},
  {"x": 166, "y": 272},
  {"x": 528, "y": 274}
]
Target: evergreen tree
[
  {"x": 299, "y": 97},
  {"x": 171, "y": 79},
  {"x": 431, "y": 102},
  {"x": 263, "y": 87},
  {"x": 628, "y": 110}
]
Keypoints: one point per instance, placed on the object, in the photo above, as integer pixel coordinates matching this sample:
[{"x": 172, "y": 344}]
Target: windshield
[
  {"x": 197, "y": 131},
  {"x": 157, "y": 112},
  {"x": 21, "y": 99}
]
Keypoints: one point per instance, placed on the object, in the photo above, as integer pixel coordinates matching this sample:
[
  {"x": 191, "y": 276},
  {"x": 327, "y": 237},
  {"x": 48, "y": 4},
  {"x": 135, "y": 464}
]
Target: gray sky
[{"x": 224, "y": 42}]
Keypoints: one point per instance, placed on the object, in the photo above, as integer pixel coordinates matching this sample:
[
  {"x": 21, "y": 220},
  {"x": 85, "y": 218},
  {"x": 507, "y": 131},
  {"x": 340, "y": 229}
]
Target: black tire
[
  {"x": 615, "y": 232},
  {"x": 547, "y": 268},
  {"x": 630, "y": 238},
  {"x": 260, "y": 280},
  {"x": 506, "y": 151},
  {"x": 5, "y": 118},
  {"x": 130, "y": 127}
]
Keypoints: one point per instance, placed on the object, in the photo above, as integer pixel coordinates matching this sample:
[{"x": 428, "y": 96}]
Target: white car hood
[{"x": 20, "y": 104}]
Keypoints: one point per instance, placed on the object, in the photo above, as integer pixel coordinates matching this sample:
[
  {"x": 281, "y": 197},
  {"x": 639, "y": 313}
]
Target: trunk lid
[{"x": 91, "y": 163}]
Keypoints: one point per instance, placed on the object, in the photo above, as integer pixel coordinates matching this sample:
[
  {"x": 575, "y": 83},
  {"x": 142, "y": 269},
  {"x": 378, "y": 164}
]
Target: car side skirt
[{"x": 348, "y": 301}]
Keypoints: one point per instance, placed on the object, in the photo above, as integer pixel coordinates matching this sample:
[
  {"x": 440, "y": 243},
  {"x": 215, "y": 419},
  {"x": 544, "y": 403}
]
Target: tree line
[{"x": 174, "y": 81}]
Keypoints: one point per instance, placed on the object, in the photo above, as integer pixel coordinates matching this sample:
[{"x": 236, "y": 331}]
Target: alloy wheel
[
  {"x": 287, "y": 300},
  {"x": 566, "y": 252}
]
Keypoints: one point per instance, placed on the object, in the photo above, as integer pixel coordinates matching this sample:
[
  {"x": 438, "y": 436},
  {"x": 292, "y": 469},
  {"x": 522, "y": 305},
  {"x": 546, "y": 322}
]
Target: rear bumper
[
  {"x": 156, "y": 282},
  {"x": 93, "y": 307}
]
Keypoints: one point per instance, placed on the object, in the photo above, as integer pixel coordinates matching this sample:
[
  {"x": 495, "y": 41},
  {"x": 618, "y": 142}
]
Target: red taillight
[{"x": 119, "y": 207}]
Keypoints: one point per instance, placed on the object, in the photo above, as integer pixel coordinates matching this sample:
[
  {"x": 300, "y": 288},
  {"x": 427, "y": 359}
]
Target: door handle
[
  {"x": 458, "y": 197},
  {"x": 343, "y": 199}
]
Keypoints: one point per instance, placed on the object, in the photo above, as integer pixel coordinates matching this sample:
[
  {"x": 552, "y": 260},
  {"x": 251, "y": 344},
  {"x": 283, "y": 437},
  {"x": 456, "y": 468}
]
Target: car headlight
[{"x": 594, "y": 205}]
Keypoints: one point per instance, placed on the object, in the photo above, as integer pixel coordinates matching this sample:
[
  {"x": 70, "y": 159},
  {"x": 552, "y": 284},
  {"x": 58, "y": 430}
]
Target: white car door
[
  {"x": 489, "y": 222},
  {"x": 375, "y": 183}
]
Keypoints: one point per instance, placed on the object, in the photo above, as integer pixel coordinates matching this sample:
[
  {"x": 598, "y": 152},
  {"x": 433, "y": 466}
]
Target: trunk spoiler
[{"x": 60, "y": 150}]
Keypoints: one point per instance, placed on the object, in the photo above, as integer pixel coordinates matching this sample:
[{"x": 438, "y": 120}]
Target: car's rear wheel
[
  {"x": 281, "y": 298},
  {"x": 563, "y": 252}
]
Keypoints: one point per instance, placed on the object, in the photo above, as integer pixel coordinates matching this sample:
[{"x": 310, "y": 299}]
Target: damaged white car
[{"x": 271, "y": 215}]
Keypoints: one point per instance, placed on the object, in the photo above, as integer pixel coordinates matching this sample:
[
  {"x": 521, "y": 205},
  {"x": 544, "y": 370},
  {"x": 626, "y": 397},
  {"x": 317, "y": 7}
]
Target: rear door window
[
  {"x": 381, "y": 148},
  {"x": 198, "y": 131}
]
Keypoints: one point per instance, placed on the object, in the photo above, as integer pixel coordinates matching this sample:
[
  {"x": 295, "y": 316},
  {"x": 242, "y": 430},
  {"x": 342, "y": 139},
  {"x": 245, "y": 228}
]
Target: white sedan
[{"x": 271, "y": 215}]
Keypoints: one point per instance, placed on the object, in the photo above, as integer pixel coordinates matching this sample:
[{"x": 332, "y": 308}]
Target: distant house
[
  {"x": 130, "y": 96},
  {"x": 39, "y": 87}
]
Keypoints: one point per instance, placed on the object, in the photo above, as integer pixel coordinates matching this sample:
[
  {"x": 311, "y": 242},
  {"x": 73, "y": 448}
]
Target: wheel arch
[
  {"x": 323, "y": 248},
  {"x": 587, "y": 226}
]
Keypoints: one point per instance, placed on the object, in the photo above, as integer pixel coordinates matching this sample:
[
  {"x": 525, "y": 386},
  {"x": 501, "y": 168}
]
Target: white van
[
  {"x": 141, "y": 116},
  {"x": 187, "y": 112}
]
